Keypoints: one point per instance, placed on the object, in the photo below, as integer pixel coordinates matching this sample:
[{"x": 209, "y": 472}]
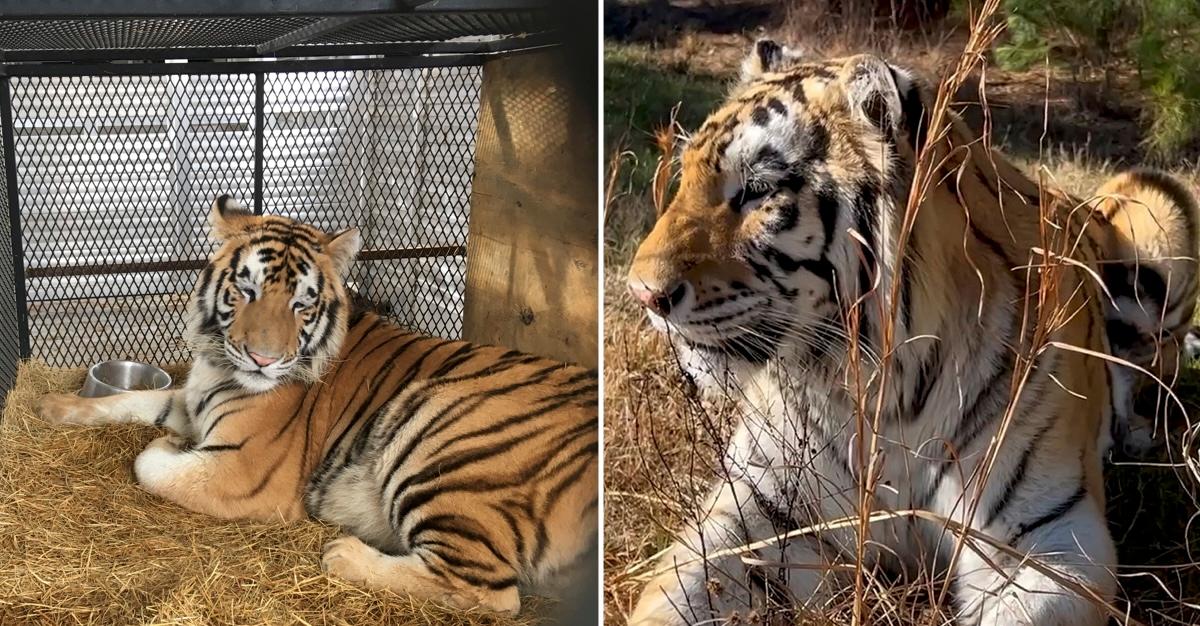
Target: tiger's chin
[
  {"x": 707, "y": 369},
  {"x": 257, "y": 382},
  {"x": 717, "y": 359},
  {"x": 305, "y": 371}
]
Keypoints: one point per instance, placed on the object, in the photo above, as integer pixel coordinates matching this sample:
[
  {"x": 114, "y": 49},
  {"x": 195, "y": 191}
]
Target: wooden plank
[{"x": 532, "y": 264}]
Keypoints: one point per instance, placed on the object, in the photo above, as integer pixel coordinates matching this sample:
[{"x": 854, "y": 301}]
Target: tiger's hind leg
[{"x": 424, "y": 573}]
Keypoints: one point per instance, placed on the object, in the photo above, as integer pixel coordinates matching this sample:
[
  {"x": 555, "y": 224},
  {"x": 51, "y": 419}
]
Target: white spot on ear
[
  {"x": 781, "y": 136},
  {"x": 874, "y": 92}
]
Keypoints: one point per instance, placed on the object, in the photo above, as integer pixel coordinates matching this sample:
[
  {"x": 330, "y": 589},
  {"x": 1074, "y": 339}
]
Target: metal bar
[
  {"x": 412, "y": 253},
  {"x": 307, "y": 33},
  {"x": 182, "y": 135},
  {"x": 68, "y": 9},
  {"x": 75, "y": 9},
  {"x": 403, "y": 48},
  {"x": 114, "y": 268},
  {"x": 508, "y": 44},
  {"x": 36, "y": 304},
  {"x": 14, "y": 216},
  {"x": 259, "y": 119},
  {"x": 482, "y": 6},
  {"x": 128, "y": 54},
  {"x": 193, "y": 264},
  {"x": 366, "y": 221},
  {"x": 239, "y": 67}
]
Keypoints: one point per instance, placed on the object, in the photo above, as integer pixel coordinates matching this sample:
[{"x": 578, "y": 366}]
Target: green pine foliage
[{"x": 1158, "y": 38}]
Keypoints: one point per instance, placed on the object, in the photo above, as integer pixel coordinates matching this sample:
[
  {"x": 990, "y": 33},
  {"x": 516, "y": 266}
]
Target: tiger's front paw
[
  {"x": 63, "y": 408},
  {"x": 349, "y": 558}
]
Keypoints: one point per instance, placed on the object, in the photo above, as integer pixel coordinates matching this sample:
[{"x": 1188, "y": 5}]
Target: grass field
[{"x": 661, "y": 439}]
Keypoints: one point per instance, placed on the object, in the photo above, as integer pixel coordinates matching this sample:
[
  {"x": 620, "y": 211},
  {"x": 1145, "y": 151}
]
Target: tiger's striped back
[{"x": 1151, "y": 242}]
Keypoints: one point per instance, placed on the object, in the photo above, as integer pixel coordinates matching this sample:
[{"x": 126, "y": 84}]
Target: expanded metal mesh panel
[
  {"x": 116, "y": 174},
  {"x": 145, "y": 33},
  {"x": 404, "y": 177},
  {"x": 437, "y": 26},
  {"x": 9, "y": 327}
]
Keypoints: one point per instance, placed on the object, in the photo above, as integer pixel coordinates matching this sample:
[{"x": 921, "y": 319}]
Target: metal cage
[{"x": 119, "y": 129}]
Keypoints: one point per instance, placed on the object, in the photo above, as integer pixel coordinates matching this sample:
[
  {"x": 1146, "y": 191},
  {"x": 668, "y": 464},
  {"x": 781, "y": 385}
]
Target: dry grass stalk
[
  {"x": 614, "y": 175},
  {"x": 927, "y": 170},
  {"x": 80, "y": 543},
  {"x": 664, "y": 140}
]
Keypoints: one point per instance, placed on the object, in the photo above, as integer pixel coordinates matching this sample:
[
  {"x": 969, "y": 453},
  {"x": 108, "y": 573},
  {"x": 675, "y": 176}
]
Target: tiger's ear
[
  {"x": 228, "y": 218},
  {"x": 883, "y": 95},
  {"x": 342, "y": 247},
  {"x": 765, "y": 57}
]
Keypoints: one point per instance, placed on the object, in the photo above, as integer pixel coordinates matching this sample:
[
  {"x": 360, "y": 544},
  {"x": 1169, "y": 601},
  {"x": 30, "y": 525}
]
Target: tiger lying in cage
[
  {"x": 457, "y": 470},
  {"x": 781, "y": 277}
]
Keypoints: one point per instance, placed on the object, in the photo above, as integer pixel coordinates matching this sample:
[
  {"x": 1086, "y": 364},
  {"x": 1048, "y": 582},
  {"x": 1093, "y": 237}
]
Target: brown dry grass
[
  {"x": 80, "y": 543},
  {"x": 657, "y": 452}
]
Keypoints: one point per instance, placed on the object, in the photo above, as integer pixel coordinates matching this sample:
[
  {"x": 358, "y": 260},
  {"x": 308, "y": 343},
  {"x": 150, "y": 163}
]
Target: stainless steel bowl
[{"x": 113, "y": 377}]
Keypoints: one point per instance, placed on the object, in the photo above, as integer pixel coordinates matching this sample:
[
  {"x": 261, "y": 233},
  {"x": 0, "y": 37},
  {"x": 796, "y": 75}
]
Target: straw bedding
[{"x": 80, "y": 543}]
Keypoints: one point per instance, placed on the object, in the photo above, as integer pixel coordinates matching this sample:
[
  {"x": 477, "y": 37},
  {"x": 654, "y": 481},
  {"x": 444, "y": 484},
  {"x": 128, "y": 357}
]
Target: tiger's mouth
[
  {"x": 749, "y": 341},
  {"x": 249, "y": 367},
  {"x": 261, "y": 380}
]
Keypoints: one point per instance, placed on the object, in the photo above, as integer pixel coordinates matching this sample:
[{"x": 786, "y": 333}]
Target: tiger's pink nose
[
  {"x": 262, "y": 361},
  {"x": 660, "y": 302}
]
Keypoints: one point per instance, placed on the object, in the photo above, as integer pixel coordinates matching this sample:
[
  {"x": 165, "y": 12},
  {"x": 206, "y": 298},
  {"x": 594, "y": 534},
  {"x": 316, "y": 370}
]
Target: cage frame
[{"x": 294, "y": 51}]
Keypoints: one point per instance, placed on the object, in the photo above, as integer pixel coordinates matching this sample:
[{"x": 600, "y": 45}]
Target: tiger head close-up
[
  {"x": 283, "y": 313},
  {"x": 775, "y": 208}
]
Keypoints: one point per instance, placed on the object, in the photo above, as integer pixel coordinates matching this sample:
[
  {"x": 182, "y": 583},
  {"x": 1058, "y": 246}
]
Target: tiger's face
[
  {"x": 271, "y": 305},
  {"x": 777, "y": 220}
]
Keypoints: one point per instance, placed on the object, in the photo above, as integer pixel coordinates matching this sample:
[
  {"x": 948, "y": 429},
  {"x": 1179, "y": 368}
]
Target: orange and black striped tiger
[{"x": 458, "y": 471}]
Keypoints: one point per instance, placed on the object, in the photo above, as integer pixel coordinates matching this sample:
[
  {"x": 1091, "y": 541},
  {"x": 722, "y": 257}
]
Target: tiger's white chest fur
[
  {"x": 207, "y": 384},
  {"x": 807, "y": 448}
]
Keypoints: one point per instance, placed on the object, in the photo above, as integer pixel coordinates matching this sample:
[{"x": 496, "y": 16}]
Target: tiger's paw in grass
[{"x": 63, "y": 408}]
